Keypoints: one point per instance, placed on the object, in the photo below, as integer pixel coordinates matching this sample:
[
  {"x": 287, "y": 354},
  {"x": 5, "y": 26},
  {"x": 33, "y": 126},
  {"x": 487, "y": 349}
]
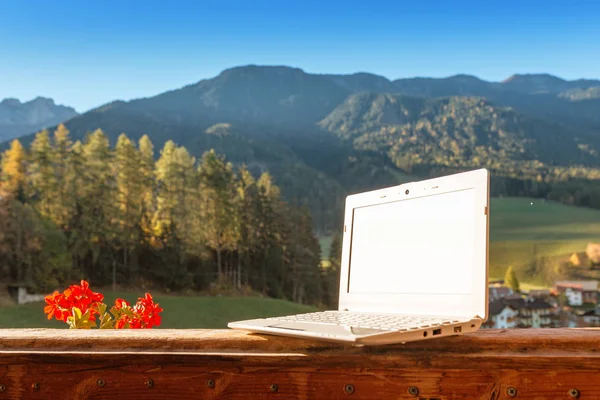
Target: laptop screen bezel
[{"x": 473, "y": 304}]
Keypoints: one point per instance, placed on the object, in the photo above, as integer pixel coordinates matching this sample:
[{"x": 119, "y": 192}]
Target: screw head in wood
[
  {"x": 349, "y": 388},
  {"x": 574, "y": 393},
  {"x": 273, "y": 388},
  {"x": 413, "y": 391},
  {"x": 2, "y": 388},
  {"x": 511, "y": 392},
  {"x": 35, "y": 386},
  {"x": 149, "y": 383},
  {"x": 210, "y": 383},
  {"x": 100, "y": 382}
]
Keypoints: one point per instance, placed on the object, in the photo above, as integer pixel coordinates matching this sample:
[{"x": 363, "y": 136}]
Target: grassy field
[
  {"x": 524, "y": 230},
  {"x": 179, "y": 312},
  {"x": 534, "y": 235}
]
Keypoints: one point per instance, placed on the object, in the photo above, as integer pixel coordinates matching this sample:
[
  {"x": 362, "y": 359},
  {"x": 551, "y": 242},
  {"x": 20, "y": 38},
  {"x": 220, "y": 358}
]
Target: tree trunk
[
  {"x": 28, "y": 270},
  {"x": 114, "y": 275},
  {"x": 263, "y": 268},
  {"x": 19, "y": 252},
  {"x": 219, "y": 266},
  {"x": 125, "y": 252},
  {"x": 239, "y": 271}
]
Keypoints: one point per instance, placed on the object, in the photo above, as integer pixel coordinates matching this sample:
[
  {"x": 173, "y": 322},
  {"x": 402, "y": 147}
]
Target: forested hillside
[
  {"x": 462, "y": 132},
  {"x": 73, "y": 209}
]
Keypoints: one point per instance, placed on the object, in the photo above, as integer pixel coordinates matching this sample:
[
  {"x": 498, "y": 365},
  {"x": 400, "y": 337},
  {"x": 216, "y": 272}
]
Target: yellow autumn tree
[{"x": 13, "y": 169}]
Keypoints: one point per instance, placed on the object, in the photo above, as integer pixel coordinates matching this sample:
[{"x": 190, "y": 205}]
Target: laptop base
[{"x": 354, "y": 335}]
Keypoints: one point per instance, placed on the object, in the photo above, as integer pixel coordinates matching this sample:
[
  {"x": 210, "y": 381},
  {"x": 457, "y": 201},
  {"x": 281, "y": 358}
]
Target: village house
[
  {"x": 574, "y": 295},
  {"x": 591, "y": 318},
  {"x": 501, "y": 315},
  {"x": 499, "y": 292},
  {"x": 536, "y": 313},
  {"x": 578, "y": 292},
  {"x": 567, "y": 318},
  {"x": 496, "y": 283},
  {"x": 545, "y": 294},
  {"x": 524, "y": 313}
]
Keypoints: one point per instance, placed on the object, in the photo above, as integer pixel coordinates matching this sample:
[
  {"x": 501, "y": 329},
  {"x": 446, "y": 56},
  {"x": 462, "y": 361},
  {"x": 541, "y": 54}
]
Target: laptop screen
[{"x": 421, "y": 245}]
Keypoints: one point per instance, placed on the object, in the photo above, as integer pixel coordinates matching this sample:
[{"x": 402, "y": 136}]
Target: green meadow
[{"x": 179, "y": 312}]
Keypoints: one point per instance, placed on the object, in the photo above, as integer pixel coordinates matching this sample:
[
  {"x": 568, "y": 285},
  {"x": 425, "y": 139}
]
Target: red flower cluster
[
  {"x": 144, "y": 314},
  {"x": 60, "y": 305}
]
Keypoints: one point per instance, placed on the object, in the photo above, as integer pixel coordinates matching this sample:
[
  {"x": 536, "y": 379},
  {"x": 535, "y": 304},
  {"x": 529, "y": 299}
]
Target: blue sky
[{"x": 85, "y": 54}]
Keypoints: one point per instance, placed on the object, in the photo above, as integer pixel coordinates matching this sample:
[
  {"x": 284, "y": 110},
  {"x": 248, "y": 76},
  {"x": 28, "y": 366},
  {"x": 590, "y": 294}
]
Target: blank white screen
[{"x": 421, "y": 245}]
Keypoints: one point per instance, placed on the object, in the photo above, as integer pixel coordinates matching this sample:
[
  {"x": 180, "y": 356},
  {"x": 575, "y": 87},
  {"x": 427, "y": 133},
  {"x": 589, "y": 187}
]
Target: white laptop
[{"x": 414, "y": 266}]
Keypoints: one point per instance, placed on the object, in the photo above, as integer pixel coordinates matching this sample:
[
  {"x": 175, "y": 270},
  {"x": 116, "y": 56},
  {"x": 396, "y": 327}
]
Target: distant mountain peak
[
  {"x": 10, "y": 102},
  {"x": 20, "y": 118},
  {"x": 537, "y": 83},
  {"x": 266, "y": 69},
  {"x": 465, "y": 78},
  {"x": 544, "y": 77},
  {"x": 43, "y": 100}
]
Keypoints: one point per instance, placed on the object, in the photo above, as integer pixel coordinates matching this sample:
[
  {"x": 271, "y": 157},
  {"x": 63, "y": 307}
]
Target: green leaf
[
  {"x": 106, "y": 322},
  {"x": 117, "y": 312},
  {"x": 101, "y": 308},
  {"x": 80, "y": 321}
]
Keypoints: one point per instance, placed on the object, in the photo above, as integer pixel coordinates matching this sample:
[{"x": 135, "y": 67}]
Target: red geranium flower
[
  {"x": 60, "y": 305},
  {"x": 125, "y": 321},
  {"x": 121, "y": 303},
  {"x": 82, "y": 297},
  {"x": 148, "y": 310},
  {"x": 144, "y": 314},
  {"x": 54, "y": 309}
]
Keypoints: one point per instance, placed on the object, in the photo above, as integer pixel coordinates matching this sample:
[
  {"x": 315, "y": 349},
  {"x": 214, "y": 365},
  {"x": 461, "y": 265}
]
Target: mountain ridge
[
  {"x": 19, "y": 118},
  {"x": 326, "y": 135}
]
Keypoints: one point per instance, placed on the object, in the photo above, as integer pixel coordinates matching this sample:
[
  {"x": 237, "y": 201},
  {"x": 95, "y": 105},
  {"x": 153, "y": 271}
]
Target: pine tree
[
  {"x": 270, "y": 230},
  {"x": 62, "y": 205},
  {"x": 75, "y": 191},
  {"x": 13, "y": 170},
  {"x": 146, "y": 151},
  {"x": 332, "y": 272},
  {"x": 129, "y": 196},
  {"x": 42, "y": 184},
  {"x": 97, "y": 191},
  {"x": 217, "y": 191},
  {"x": 246, "y": 223},
  {"x": 166, "y": 198},
  {"x": 305, "y": 255},
  {"x": 176, "y": 207},
  {"x": 186, "y": 186},
  {"x": 510, "y": 279}
]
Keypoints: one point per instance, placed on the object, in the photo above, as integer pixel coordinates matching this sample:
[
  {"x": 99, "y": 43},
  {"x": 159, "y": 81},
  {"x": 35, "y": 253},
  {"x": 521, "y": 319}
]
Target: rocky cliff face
[{"x": 17, "y": 119}]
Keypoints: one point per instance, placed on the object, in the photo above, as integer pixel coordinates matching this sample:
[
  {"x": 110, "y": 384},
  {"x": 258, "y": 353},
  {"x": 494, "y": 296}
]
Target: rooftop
[
  {"x": 585, "y": 285},
  {"x": 531, "y": 303}
]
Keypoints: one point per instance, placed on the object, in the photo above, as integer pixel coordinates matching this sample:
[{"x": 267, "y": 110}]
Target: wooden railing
[{"x": 225, "y": 364}]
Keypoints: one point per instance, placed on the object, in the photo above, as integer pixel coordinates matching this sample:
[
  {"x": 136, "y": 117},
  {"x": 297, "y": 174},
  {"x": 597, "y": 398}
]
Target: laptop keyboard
[{"x": 373, "y": 321}]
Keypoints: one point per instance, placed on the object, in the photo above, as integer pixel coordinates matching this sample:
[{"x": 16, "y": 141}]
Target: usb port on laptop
[{"x": 437, "y": 332}]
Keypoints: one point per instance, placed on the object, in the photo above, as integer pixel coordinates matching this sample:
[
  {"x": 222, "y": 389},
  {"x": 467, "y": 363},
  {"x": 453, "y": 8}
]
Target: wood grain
[{"x": 179, "y": 364}]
